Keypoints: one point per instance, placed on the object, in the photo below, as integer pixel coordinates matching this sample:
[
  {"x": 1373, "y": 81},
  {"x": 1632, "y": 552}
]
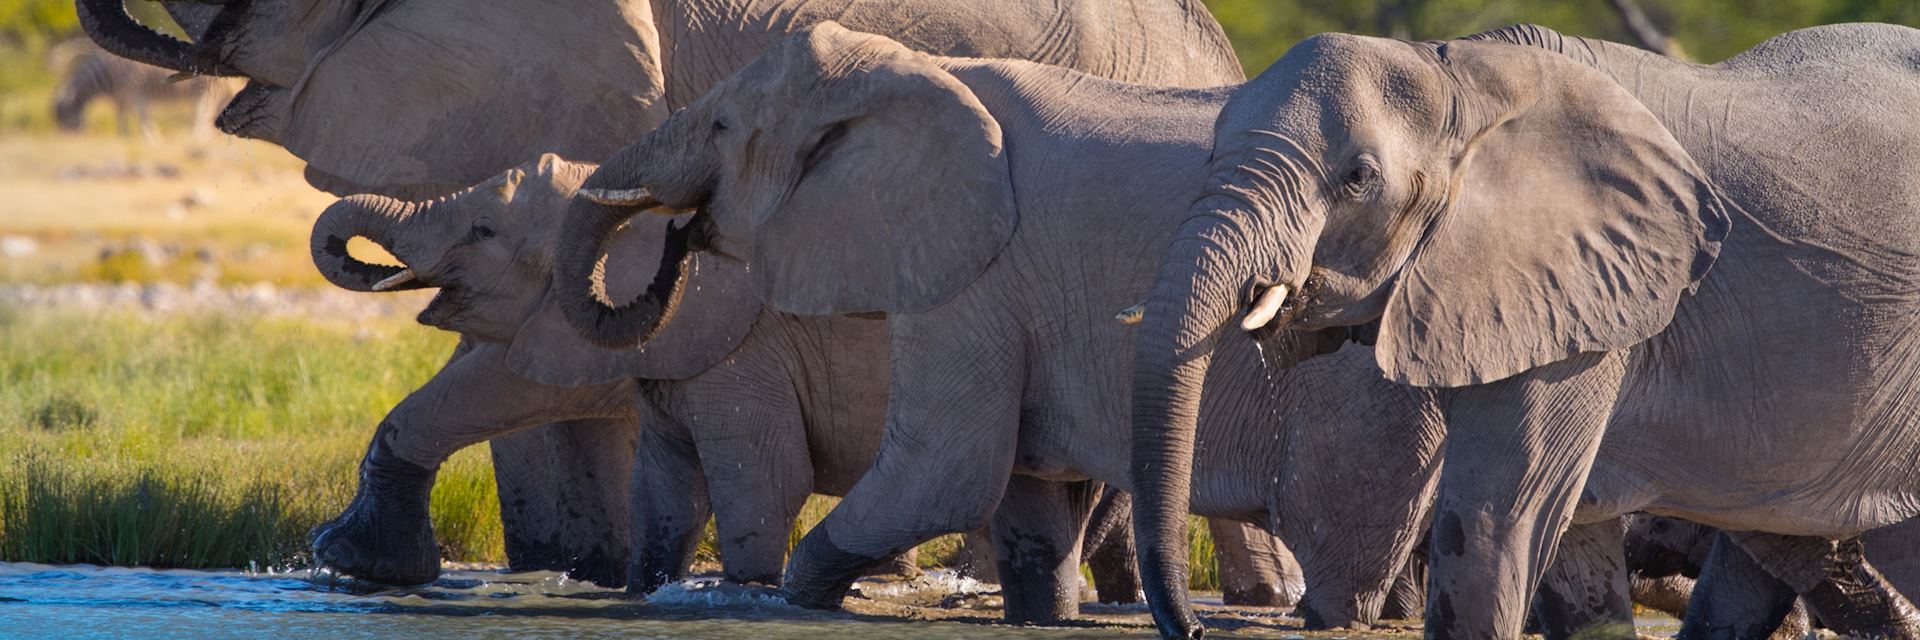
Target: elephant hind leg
[
  {"x": 1036, "y": 535},
  {"x": 1838, "y": 585},
  {"x": 1585, "y": 592},
  {"x": 670, "y": 507},
  {"x": 1108, "y": 547},
  {"x": 1408, "y": 598},
  {"x": 1255, "y": 569},
  {"x": 1735, "y": 598}
]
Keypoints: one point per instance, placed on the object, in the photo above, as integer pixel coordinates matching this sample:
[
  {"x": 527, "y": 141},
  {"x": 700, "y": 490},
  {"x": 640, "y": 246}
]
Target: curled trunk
[
  {"x": 109, "y": 25},
  {"x": 1193, "y": 295},
  {"x": 375, "y": 218},
  {"x": 579, "y": 276}
]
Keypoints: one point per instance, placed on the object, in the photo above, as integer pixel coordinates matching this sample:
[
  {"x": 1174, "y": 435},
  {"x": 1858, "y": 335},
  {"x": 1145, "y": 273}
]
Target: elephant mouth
[
  {"x": 444, "y": 311},
  {"x": 1297, "y": 306}
]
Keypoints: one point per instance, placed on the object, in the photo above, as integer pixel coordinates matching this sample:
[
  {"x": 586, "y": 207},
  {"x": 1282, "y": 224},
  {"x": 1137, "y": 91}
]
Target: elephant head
[
  {"x": 1489, "y": 208},
  {"x": 489, "y": 251},
  {"x": 853, "y": 174},
  {"x": 416, "y": 98}
]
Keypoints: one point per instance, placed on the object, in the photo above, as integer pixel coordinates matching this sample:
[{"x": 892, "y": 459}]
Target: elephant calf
[{"x": 996, "y": 211}]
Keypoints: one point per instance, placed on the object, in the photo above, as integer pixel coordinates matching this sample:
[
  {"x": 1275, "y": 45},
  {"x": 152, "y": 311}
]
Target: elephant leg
[
  {"x": 1585, "y": 592},
  {"x": 905, "y": 565},
  {"x": 1839, "y": 587},
  {"x": 528, "y": 486},
  {"x": 1734, "y": 598},
  {"x": 1518, "y": 452},
  {"x": 1036, "y": 535},
  {"x": 953, "y": 421},
  {"x": 592, "y": 460},
  {"x": 1255, "y": 570},
  {"x": 974, "y": 559},
  {"x": 670, "y": 507},
  {"x": 1667, "y": 594},
  {"x": 1109, "y": 551},
  {"x": 754, "y": 455},
  {"x": 1408, "y": 598}
]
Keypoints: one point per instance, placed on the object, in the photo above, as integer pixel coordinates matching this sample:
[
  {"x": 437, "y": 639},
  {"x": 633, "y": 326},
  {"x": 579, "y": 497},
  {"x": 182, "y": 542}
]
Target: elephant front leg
[
  {"x": 1036, "y": 535},
  {"x": 1408, "y": 597},
  {"x": 385, "y": 535},
  {"x": 593, "y": 460},
  {"x": 758, "y": 478},
  {"x": 1586, "y": 592},
  {"x": 952, "y": 426},
  {"x": 1518, "y": 452},
  {"x": 670, "y": 508}
]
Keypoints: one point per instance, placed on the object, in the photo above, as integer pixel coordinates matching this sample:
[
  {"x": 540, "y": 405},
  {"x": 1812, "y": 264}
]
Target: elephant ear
[
  {"x": 1576, "y": 223},
  {"x": 439, "y": 94},
  {"x": 716, "y": 311},
  {"x": 904, "y": 194}
]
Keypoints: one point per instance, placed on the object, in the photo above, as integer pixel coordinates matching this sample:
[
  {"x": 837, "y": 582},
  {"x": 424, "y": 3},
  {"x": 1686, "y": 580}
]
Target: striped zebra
[{"x": 91, "y": 73}]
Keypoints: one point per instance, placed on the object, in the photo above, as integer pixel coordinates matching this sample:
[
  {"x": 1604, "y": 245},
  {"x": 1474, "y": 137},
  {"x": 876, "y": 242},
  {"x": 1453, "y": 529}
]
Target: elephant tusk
[
  {"x": 1132, "y": 315},
  {"x": 1265, "y": 308},
  {"x": 395, "y": 280},
  {"x": 638, "y": 197}
]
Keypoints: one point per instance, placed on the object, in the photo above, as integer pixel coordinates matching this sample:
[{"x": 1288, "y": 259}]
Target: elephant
[
  {"x": 382, "y": 97},
  {"x": 812, "y": 425},
  {"x": 1620, "y": 274},
  {"x": 993, "y": 211}
]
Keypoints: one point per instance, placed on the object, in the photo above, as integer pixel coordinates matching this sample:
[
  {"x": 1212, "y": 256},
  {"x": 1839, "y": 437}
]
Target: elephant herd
[{"x": 1514, "y": 327}]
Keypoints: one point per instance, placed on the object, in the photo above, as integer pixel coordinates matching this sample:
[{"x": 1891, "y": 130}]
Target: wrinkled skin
[
  {"x": 1567, "y": 243},
  {"x": 1008, "y": 363},
  {"x": 417, "y": 99}
]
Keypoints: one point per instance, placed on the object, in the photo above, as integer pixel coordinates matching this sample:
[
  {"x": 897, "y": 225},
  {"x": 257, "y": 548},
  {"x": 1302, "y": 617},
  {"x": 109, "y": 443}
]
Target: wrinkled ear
[
  {"x": 716, "y": 312},
  {"x": 450, "y": 92},
  {"x": 1576, "y": 223},
  {"x": 903, "y": 198}
]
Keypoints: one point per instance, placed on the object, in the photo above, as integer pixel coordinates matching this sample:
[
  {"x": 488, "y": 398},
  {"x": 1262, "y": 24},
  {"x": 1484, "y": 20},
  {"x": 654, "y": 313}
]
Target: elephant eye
[
  {"x": 481, "y": 232},
  {"x": 719, "y": 126},
  {"x": 1360, "y": 178}
]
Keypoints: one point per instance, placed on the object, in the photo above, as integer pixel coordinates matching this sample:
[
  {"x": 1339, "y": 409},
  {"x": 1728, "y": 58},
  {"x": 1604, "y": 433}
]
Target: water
[{"x": 42, "y": 601}]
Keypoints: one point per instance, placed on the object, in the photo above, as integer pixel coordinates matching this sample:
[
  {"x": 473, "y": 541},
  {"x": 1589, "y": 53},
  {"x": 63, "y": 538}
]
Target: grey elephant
[
  {"x": 813, "y": 427},
  {"x": 1566, "y": 239},
  {"x": 386, "y": 97},
  {"x": 994, "y": 211}
]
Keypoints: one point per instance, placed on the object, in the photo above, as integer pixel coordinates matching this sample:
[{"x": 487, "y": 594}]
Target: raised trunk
[
  {"x": 579, "y": 276},
  {"x": 109, "y": 25},
  {"x": 375, "y": 218},
  {"x": 1193, "y": 295}
]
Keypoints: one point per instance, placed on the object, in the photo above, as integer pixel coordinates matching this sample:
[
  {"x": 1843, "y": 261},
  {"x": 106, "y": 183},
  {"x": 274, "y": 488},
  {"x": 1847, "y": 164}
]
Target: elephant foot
[
  {"x": 1258, "y": 595},
  {"x": 600, "y": 567},
  {"x": 386, "y": 534},
  {"x": 820, "y": 573},
  {"x": 1856, "y": 601},
  {"x": 905, "y": 565}
]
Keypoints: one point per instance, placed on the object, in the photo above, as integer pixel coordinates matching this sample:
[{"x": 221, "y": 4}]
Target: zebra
[{"x": 93, "y": 73}]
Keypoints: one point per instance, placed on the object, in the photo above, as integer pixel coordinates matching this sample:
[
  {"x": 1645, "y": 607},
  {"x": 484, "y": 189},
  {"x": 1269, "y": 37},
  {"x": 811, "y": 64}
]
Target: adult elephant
[
  {"x": 422, "y": 98},
  {"x": 1570, "y": 242},
  {"x": 994, "y": 210}
]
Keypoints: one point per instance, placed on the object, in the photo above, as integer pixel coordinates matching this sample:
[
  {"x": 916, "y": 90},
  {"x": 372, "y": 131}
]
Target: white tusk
[
  {"x": 1132, "y": 315},
  {"x": 395, "y": 280},
  {"x": 1265, "y": 308},
  {"x": 620, "y": 197}
]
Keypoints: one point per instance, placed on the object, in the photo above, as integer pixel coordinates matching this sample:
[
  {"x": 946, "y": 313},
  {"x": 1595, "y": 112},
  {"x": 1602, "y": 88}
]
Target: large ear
[
  {"x": 1576, "y": 223},
  {"x": 446, "y": 93},
  {"x": 904, "y": 196},
  {"x": 716, "y": 311}
]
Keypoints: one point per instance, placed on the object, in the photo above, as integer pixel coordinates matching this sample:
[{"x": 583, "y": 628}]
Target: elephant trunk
[
  {"x": 377, "y": 218},
  {"x": 1195, "y": 292},
  {"x": 109, "y": 25},
  {"x": 579, "y": 273}
]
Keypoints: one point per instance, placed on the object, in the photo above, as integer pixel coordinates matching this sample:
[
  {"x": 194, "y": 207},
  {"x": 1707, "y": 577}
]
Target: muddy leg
[
  {"x": 670, "y": 507},
  {"x": 1036, "y": 534},
  {"x": 593, "y": 460},
  {"x": 1585, "y": 592},
  {"x": 1255, "y": 570},
  {"x": 1839, "y": 587},
  {"x": 1735, "y": 598}
]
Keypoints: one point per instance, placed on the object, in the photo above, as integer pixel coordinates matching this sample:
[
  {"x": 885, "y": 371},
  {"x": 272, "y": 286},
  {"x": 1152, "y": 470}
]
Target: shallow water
[{"x": 42, "y": 601}]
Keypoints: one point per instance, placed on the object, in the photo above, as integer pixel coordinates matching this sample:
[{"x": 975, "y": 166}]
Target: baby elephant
[
  {"x": 999, "y": 213},
  {"x": 796, "y": 408}
]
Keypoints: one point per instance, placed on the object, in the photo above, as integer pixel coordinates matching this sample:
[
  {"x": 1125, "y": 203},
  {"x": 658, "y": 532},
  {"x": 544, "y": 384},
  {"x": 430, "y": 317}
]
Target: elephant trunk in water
[
  {"x": 377, "y": 218},
  {"x": 1200, "y": 284},
  {"x": 109, "y": 25},
  {"x": 579, "y": 275}
]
